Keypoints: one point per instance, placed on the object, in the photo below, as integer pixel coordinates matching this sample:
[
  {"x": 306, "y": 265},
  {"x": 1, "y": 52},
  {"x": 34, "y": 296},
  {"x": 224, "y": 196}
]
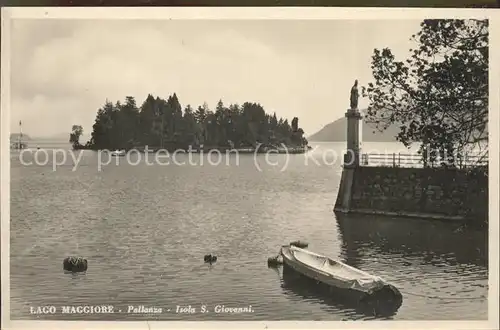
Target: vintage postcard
[{"x": 276, "y": 168}]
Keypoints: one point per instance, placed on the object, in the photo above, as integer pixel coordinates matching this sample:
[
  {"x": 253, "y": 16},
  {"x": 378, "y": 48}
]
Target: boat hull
[
  {"x": 361, "y": 304},
  {"x": 381, "y": 299},
  {"x": 117, "y": 153}
]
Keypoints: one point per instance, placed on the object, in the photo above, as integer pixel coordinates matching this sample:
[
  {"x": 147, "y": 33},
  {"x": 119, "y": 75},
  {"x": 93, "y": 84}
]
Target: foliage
[
  {"x": 160, "y": 123},
  {"x": 74, "y": 137},
  {"x": 438, "y": 96}
]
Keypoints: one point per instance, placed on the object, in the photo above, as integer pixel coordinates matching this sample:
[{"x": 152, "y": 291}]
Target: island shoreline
[{"x": 261, "y": 150}]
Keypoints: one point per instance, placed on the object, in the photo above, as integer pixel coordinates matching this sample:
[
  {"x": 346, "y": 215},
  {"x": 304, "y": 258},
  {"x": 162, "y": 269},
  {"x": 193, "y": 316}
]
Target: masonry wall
[{"x": 431, "y": 193}]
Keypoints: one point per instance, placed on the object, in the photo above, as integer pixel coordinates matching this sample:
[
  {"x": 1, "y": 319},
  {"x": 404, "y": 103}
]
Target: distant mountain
[
  {"x": 337, "y": 131},
  {"x": 61, "y": 137},
  {"x": 15, "y": 137},
  {"x": 56, "y": 137}
]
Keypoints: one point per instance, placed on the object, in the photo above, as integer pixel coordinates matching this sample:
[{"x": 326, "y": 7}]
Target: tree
[
  {"x": 295, "y": 124},
  {"x": 201, "y": 114},
  {"x": 147, "y": 117},
  {"x": 190, "y": 131},
  {"x": 102, "y": 133},
  {"x": 438, "y": 96},
  {"x": 128, "y": 121},
  {"x": 74, "y": 137},
  {"x": 174, "y": 111}
]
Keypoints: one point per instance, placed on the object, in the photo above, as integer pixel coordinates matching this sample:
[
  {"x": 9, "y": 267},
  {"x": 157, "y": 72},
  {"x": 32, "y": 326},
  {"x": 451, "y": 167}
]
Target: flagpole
[{"x": 20, "y": 138}]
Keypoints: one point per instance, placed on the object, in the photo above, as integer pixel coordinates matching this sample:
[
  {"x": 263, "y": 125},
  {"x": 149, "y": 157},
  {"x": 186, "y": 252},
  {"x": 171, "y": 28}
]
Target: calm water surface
[{"x": 145, "y": 229}]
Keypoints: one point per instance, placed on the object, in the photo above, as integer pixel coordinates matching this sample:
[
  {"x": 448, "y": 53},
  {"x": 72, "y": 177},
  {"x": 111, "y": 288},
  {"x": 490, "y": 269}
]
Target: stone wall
[{"x": 431, "y": 193}]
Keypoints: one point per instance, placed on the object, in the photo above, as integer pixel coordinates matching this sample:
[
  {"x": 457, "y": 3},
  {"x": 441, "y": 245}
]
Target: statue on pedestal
[{"x": 354, "y": 95}]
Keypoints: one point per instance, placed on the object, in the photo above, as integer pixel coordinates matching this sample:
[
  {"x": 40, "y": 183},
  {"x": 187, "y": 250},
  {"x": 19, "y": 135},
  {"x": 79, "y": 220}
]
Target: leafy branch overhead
[{"x": 439, "y": 95}]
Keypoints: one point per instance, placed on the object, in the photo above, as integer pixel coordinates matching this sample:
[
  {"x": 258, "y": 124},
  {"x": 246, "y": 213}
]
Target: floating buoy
[
  {"x": 274, "y": 261},
  {"x": 210, "y": 258},
  {"x": 299, "y": 244},
  {"x": 75, "y": 264}
]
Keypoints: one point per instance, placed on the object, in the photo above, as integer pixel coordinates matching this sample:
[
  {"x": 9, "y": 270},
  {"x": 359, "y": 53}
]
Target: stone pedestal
[
  {"x": 351, "y": 161},
  {"x": 352, "y": 156}
]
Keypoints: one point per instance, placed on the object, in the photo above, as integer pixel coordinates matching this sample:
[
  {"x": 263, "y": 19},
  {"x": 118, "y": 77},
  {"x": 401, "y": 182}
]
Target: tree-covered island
[{"x": 163, "y": 124}]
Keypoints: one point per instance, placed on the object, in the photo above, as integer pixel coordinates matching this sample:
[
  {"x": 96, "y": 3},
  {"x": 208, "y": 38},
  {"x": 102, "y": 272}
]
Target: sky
[{"x": 62, "y": 71}]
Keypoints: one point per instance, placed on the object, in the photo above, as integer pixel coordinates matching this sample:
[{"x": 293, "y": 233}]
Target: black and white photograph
[{"x": 184, "y": 165}]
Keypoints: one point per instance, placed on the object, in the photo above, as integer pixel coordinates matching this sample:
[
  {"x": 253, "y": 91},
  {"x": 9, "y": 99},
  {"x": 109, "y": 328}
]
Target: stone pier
[{"x": 433, "y": 193}]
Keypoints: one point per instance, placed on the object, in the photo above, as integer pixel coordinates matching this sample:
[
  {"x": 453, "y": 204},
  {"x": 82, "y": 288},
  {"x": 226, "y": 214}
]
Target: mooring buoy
[
  {"x": 210, "y": 258},
  {"x": 299, "y": 244},
  {"x": 274, "y": 261},
  {"x": 75, "y": 264}
]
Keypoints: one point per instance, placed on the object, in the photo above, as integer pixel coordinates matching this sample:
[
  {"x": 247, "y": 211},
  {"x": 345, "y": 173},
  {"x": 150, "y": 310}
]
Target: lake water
[{"x": 146, "y": 228}]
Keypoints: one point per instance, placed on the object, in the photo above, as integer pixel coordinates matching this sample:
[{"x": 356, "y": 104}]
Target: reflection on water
[
  {"x": 432, "y": 262},
  {"x": 417, "y": 241}
]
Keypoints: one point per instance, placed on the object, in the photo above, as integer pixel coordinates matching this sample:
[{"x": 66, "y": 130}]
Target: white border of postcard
[{"x": 287, "y": 13}]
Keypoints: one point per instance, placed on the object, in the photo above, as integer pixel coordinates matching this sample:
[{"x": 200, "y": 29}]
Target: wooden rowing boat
[{"x": 342, "y": 280}]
